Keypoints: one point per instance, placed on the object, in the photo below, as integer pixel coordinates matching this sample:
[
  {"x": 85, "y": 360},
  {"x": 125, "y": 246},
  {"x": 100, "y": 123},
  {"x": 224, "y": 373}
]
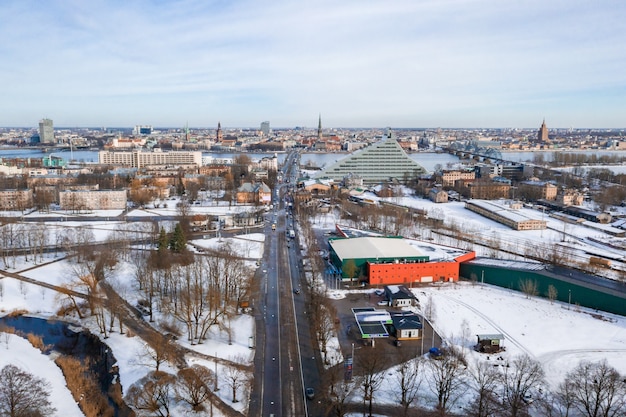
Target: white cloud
[{"x": 363, "y": 62}]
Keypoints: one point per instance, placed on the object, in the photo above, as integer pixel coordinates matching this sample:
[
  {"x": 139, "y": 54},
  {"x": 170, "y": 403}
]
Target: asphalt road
[{"x": 278, "y": 389}]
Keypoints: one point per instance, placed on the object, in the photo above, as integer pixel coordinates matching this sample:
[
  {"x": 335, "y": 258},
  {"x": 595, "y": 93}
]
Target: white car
[{"x": 383, "y": 303}]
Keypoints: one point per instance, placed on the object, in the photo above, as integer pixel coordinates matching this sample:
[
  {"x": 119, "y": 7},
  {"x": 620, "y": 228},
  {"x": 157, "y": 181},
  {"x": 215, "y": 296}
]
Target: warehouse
[{"x": 379, "y": 261}]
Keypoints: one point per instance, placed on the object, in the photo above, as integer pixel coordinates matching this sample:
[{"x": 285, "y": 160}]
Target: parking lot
[{"x": 348, "y": 331}]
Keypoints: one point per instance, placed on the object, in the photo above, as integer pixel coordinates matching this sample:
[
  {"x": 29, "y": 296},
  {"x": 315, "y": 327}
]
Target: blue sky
[{"x": 360, "y": 63}]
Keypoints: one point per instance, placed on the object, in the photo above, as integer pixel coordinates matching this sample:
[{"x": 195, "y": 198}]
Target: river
[
  {"x": 79, "y": 344},
  {"x": 429, "y": 160}
]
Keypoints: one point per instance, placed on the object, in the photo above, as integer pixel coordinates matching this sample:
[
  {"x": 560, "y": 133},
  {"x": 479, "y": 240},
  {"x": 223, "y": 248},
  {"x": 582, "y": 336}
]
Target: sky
[{"x": 358, "y": 63}]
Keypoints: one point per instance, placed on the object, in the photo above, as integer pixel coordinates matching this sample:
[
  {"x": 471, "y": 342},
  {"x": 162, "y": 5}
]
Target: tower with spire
[
  {"x": 220, "y": 134},
  {"x": 542, "y": 135},
  {"x": 319, "y": 128}
]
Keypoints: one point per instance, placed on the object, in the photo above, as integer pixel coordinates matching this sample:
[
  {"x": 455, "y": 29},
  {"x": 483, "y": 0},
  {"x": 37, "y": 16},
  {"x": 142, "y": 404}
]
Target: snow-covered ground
[
  {"x": 15, "y": 350},
  {"x": 555, "y": 335},
  {"x": 128, "y": 350}
]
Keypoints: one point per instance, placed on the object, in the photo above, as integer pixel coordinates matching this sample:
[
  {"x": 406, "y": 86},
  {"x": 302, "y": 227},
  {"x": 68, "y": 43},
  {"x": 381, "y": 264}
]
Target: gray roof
[{"x": 373, "y": 247}]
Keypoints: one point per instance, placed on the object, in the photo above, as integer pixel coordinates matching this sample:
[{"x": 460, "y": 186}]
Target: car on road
[
  {"x": 310, "y": 393},
  {"x": 296, "y": 291}
]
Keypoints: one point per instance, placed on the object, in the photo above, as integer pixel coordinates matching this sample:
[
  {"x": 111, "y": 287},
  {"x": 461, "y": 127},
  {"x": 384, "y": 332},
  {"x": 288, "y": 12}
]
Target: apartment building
[
  {"x": 140, "y": 158},
  {"x": 16, "y": 199},
  {"x": 92, "y": 200}
]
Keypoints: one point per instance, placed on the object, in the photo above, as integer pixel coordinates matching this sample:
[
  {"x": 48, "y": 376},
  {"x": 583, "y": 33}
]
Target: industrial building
[
  {"x": 508, "y": 216},
  {"x": 379, "y": 261}
]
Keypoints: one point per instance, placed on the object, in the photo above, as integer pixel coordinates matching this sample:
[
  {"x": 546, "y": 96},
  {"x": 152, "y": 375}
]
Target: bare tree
[
  {"x": 152, "y": 394},
  {"x": 408, "y": 382},
  {"x": 446, "y": 378},
  {"x": 518, "y": 380},
  {"x": 341, "y": 389},
  {"x": 192, "y": 385},
  {"x": 23, "y": 394},
  {"x": 528, "y": 287},
  {"x": 594, "y": 389},
  {"x": 484, "y": 380},
  {"x": 236, "y": 379},
  {"x": 371, "y": 366},
  {"x": 552, "y": 293}
]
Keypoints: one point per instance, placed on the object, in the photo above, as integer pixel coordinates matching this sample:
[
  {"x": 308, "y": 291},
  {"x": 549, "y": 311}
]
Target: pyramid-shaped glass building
[{"x": 380, "y": 162}]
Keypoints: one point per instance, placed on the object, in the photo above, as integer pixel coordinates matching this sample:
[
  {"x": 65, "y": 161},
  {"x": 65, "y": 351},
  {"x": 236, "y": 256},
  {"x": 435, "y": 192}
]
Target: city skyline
[{"x": 455, "y": 64}]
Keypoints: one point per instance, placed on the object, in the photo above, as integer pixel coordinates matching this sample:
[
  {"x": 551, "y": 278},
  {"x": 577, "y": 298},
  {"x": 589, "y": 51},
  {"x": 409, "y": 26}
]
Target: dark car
[{"x": 310, "y": 393}]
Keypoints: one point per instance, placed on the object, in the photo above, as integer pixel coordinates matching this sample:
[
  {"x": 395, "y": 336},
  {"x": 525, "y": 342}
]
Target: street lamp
[{"x": 569, "y": 298}]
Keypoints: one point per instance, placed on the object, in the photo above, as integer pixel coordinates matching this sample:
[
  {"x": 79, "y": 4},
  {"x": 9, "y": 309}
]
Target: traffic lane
[
  {"x": 309, "y": 356},
  {"x": 272, "y": 396}
]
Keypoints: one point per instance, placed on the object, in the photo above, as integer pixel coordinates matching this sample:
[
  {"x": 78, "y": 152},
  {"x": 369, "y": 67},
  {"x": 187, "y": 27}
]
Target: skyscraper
[
  {"x": 265, "y": 129},
  {"x": 542, "y": 135},
  {"x": 46, "y": 131}
]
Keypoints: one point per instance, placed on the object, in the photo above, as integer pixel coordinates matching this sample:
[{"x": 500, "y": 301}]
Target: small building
[
  {"x": 406, "y": 325},
  {"x": 372, "y": 323},
  {"x": 399, "y": 296},
  {"x": 257, "y": 193},
  {"x": 489, "y": 343},
  {"x": 438, "y": 196}
]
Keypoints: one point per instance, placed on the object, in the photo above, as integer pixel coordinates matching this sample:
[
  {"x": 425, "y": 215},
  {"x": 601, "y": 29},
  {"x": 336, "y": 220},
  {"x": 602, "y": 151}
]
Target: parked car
[
  {"x": 379, "y": 292},
  {"x": 310, "y": 393},
  {"x": 383, "y": 303},
  {"x": 435, "y": 353}
]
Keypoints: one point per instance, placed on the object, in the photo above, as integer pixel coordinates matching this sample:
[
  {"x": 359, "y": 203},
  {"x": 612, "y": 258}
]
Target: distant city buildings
[{"x": 46, "y": 131}]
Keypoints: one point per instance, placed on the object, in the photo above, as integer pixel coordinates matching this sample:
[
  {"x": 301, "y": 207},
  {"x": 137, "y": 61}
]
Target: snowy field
[
  {"x": 554, "y": 334},
  {"x": 128, "y": 351}
]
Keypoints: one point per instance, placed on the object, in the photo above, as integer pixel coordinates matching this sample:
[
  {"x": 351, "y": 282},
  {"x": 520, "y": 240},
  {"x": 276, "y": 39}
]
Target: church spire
[
  {"x": 220, "y": 135},
  {"x": 319, "y": 128}
]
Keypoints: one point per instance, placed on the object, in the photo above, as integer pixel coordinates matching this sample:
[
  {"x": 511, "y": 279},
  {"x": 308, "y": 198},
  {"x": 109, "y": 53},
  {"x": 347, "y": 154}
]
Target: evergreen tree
[
  {"x": 178, "y": 242},
  {"x": 162, "y": 243}
]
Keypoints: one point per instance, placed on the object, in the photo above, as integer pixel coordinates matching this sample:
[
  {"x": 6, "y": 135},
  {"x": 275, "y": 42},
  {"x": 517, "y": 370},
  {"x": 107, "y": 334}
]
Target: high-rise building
[
  {"x": 142, "y": 130},
  {"x": 46, "y": 131},
  {"x": 542, "y": 135},
  {"x": 265, "y": 128}
]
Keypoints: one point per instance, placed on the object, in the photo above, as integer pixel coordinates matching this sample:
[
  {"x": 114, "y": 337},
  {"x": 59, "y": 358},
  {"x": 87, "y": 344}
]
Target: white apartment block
[
  {"x": 140, "y": 159},
  {"x": 92, "y": 200}
]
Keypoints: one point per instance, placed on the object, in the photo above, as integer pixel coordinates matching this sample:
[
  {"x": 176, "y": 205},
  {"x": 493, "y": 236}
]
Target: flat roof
[
  {"x": 501, "y": 210},
  {"x": 374, "y": 247}
]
